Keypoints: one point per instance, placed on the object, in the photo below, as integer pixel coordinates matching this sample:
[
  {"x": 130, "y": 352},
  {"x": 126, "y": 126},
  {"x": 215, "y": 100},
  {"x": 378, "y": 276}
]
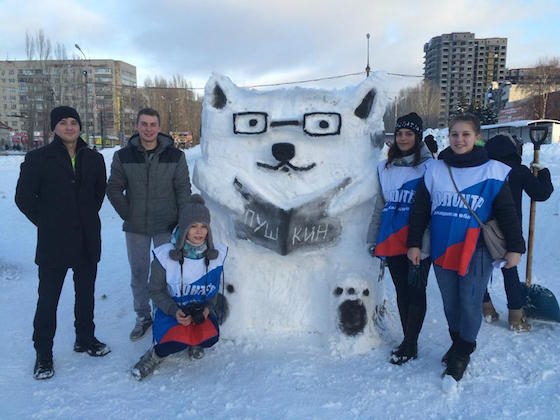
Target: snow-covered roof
[{"x": 519, "y": 123}]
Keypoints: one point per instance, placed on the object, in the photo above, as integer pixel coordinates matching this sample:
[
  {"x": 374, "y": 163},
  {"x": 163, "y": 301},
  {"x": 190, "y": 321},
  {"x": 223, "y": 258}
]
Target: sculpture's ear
[
  {"x": 364, "y": 109},
  {"x": 370, "y": 97},
  {"x": 217, "y": 91},
  {"x": 219, "y": 98}
]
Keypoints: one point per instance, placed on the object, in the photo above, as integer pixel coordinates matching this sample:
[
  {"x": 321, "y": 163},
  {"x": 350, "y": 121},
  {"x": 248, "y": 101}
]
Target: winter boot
[
  {"x": 44, "y": 368},
  {"x": 454, "y": 336},
  {"x": 143, "y": 324},
  {"x": 146, "y": 364},
  {"x": 196, "y": 352},
  {"x": 92, "y": 346},
  {"x": 459, "y": 358},
  {"x": 489, "y": 312},
  {"x": 517, "y": 321},
  {"x": 405, "y": 352}
]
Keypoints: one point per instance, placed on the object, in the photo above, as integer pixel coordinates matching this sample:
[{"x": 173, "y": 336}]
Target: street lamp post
[
  {"x": 101, "y": 122},
  {"x": 397, "y": 100},
  {"x": 169, "y": 116},
  {"x": 367, "y": 65},
  {"x": 170, "y": 110},
  {"x": 85, "y": 73}
]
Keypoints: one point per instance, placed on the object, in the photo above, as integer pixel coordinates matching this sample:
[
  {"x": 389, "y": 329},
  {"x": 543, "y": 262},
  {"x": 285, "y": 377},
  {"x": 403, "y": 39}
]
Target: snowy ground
[{"x": 510, "y": 376}]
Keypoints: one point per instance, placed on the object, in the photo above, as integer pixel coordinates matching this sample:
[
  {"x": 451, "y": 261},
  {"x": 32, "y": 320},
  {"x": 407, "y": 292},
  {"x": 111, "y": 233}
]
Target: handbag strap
[{"x": 463, "y": 198}]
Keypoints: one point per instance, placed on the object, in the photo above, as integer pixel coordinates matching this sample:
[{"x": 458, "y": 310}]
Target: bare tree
[
  {"x": 43, "y": 45},
  {"x": 422, "y": 99},
  {"x": 179, "y": 107},
  {"x": 39, "y": 94},
  {"x": 60, "y": 52},
  {"x": 540, "y": 83},
  {"x": 29, "y": 46}
]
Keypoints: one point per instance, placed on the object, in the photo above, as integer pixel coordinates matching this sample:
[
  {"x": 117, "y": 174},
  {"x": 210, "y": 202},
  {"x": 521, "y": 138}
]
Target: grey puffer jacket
[{"x": 147, "y": 190}]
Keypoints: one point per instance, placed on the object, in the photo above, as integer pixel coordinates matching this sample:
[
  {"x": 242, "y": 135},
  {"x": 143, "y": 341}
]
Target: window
[{"x": 103, "y": 70}]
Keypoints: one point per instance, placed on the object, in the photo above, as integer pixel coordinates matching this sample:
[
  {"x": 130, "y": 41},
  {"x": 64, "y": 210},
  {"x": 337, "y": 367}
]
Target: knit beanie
[
  {"x": 412, "y": 122},
  {"x": 193, "y": 212},
  {"x": 61, "y": 112}
]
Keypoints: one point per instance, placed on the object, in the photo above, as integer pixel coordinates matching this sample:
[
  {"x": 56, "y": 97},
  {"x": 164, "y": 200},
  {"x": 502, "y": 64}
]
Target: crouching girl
[{"x": 184, "y": 283}]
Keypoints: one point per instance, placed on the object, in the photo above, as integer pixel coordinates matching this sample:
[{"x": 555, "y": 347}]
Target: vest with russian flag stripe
[
  {"x": 398, "y": 185},
  {"x": 196, "y": 283},
  {"x": 454, "y": 231}
]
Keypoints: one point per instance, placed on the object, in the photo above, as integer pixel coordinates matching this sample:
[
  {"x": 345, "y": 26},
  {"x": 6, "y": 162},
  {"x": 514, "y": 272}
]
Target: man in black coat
[
  {"x": 504, "y": 148},
  {"x": 60, "y": 190}
]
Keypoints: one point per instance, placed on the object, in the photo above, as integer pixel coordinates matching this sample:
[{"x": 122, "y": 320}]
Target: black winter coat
[
  {"x": 520, "y": 178},
  {"x": 63, "y": 203}
]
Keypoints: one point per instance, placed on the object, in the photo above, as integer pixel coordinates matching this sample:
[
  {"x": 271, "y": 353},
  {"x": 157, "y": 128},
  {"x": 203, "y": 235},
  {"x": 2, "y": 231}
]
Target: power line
[
  {"x": 340, "y": 76},
  {"x": 406, "y": 75},
  {"x": 127, "y": 86}
]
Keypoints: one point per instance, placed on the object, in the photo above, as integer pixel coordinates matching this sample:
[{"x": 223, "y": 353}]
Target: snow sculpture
[{"x": 288, "y": 176}]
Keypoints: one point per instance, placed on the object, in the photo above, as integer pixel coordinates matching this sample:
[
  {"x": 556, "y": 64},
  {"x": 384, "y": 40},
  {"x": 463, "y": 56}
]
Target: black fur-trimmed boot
[
  {"x": 408, "y": 349},
  {"x": 454, "y": 336},
  {"x": 459, "y": 358},
  {"x": 405, "y": 352}
]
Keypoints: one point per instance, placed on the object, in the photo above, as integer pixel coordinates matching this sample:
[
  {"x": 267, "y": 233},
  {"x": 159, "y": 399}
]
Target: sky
[{"x": 255, "y": 42}]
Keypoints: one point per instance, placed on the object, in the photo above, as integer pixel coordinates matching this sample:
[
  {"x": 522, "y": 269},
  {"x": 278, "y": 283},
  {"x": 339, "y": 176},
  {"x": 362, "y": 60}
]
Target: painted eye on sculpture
[
  {"x": 322, "y": 123},
  {"x": 250, "y": 122}
]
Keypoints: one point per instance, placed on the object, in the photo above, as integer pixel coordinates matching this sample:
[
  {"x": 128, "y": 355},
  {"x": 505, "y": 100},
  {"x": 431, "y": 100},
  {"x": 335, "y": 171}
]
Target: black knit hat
[
  {"x": 193, "y": 212},
  {"x": 412, "y": 122},
  {"x": 61, "y": 112}
]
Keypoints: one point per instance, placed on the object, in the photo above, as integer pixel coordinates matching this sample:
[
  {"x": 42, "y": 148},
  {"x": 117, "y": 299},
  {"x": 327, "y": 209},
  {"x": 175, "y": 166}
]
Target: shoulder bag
[{"x": 491, "y": 233}]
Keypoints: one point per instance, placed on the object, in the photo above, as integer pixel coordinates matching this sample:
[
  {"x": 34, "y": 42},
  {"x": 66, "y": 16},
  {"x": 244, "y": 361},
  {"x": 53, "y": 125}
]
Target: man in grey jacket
[{"x": 148, "y": 185}]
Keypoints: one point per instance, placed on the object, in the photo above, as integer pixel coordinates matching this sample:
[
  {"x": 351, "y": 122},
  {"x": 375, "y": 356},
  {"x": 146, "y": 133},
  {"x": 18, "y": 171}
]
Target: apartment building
[
  {"x": 103, "y": 91},
  {"x": 464, "y": 68}
]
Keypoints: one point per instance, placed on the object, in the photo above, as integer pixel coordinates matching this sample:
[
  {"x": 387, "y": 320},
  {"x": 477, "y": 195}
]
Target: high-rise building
[
  {"x": 464, "y": 68},
  {"x": 103, "y": 92}
]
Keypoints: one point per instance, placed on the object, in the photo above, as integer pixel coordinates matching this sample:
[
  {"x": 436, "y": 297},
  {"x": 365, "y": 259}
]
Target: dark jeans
[
  {"x": 514, "y": 289},
  {"x": 51, "y": 280},
  {"x": 411, "y": 300},
  {"x": 462, "y": 295}
]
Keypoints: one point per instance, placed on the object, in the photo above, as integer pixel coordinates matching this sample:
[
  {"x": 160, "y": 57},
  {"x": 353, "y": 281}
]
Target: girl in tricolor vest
[
  {"x": 462, "y": 263},
  {"x": 399, "y": 175},
  {"x": 184, "y": 284}
]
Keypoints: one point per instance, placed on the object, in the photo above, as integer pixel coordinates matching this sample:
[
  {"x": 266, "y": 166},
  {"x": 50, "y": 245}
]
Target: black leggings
[{"x": 410, "y": 285}]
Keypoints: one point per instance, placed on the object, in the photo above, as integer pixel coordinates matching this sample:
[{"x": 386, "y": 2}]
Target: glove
[
  {"x": 371, "y": 250},
  {"x": 431, "y": 143},
  {"x": 417, "y": 278},
  {"x": 537, "y": 166}
]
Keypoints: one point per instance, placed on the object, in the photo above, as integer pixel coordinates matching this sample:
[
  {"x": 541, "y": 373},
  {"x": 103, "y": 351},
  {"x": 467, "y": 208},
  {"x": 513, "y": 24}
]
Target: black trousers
[
  {"x": 411, "y": 299},
  {"x": 51, "y": 280}
]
